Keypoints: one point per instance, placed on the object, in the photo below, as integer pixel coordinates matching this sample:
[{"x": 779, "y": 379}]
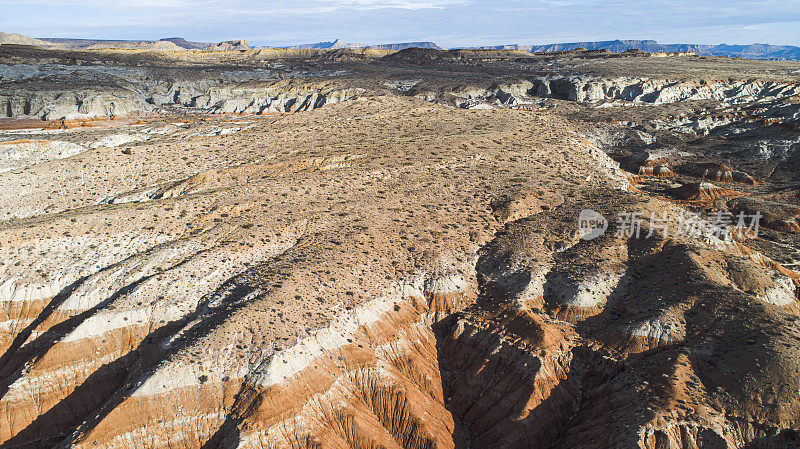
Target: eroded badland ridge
[{"x": 361, "y": 249}]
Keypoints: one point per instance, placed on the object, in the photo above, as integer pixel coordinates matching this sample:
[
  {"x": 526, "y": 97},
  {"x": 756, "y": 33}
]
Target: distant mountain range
[
  {"x": 338, "y": 43},
  {"x": 404, "y": 45},
  {"x": 167, "y": 44},
  {"x": 181, "y": 44},
  {"x": 752, "y": 51}
]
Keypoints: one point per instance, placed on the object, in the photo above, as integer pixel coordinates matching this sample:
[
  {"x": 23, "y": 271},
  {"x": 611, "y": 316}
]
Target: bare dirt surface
[{"x": 364, "y": 249}]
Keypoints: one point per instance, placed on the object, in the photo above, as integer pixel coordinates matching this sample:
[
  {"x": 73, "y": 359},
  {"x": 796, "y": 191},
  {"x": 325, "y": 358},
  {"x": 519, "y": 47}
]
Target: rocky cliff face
[
  {"x": 636, "y": 90},
  {"x": 659, "y": 91},
  {"x": 122, "y": 91}
]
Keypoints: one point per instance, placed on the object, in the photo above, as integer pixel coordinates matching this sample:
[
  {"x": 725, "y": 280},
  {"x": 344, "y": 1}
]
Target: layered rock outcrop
[
  {"x": 19, "y": 153},
  {"x": 117, "y": 91},
  {"x": 583, "y": 89}
]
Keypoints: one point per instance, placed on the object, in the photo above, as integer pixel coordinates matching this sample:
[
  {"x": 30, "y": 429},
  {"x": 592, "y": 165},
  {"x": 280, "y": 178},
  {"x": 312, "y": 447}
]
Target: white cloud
[{"x": 222, "y": 6}]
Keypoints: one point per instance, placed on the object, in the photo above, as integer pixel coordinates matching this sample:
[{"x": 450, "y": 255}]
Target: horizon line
[{"x": 260, "y": 42}]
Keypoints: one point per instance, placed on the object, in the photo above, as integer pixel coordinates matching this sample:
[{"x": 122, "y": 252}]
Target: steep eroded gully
[
  {"x": 631, "y": 370},
  {"x": 519, "y": 363}
]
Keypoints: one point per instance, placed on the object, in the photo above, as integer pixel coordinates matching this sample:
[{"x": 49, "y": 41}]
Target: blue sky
[{"x": 447, "y": 22}]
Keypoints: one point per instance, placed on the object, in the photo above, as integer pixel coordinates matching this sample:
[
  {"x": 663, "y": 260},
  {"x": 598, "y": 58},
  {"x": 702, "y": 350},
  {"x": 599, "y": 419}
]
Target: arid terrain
[{"x": 361, "y": 248}]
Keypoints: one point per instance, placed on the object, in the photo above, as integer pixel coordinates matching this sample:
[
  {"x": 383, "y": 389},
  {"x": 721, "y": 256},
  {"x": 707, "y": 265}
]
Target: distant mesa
[
  {"x": 332, "y": 45},
  {"x": 339, "y": 44},
  {"x": 166, "y": 44},
  {"x": 752, "y": 51},
  {"x": 135, "y": 45},
  {"x": 229, "y": 46},
  {"x": 405, "y": 45},
  {"x": 183, "y": 43},
  {"x": 99, "y": 44},
  {"x": 18, "y": 39}
]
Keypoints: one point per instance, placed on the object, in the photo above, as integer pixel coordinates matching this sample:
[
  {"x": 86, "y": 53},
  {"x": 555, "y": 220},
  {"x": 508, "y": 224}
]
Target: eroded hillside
[{"x": 402, "y": 267}]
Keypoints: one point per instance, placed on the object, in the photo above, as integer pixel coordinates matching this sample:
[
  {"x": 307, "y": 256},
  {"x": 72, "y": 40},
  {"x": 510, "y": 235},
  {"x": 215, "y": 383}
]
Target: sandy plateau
[{"x": 377, "y": 249}]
